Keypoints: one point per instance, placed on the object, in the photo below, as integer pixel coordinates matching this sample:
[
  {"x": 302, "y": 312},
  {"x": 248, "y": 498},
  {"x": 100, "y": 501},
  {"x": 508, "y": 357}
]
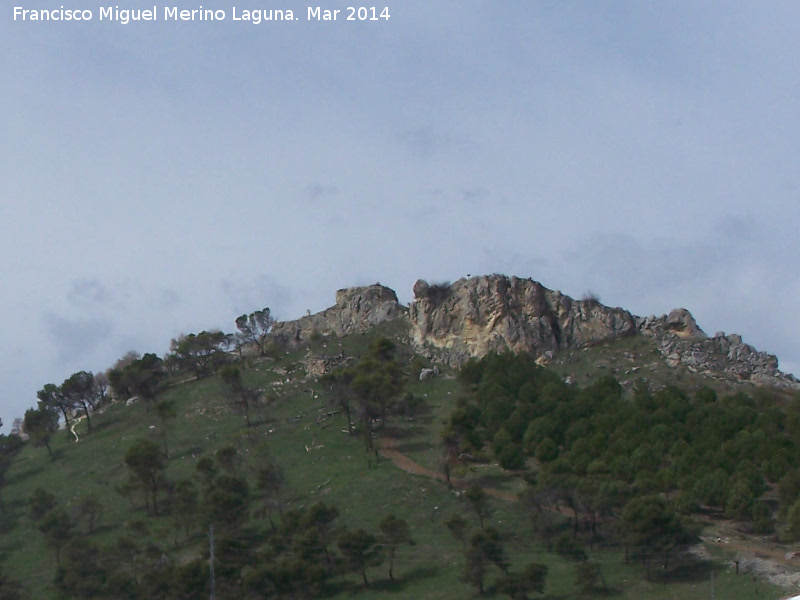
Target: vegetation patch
[{"x": 227, "y": 466}]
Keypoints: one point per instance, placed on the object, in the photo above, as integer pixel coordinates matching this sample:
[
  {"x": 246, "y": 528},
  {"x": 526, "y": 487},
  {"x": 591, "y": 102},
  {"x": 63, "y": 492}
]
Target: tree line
[
  {"x": 605, "y": 467},
  {"x": 144, "y": 376}
]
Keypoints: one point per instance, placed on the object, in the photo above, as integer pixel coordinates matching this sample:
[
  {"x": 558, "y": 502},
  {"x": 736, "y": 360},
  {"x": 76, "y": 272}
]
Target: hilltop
[
  {"x": 518, "y": 436},
  {"x": 474, "y": 316}
]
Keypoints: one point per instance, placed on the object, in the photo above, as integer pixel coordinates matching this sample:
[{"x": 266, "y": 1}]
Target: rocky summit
[
  {"x": 472, "y": 317},
  {"x": 475, "y": 316},
  {"x": 356, "y": 310}
]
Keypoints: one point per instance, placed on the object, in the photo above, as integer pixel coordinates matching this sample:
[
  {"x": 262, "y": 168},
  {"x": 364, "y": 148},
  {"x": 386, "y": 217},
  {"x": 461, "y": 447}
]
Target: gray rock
[
  {"x": 356, "y": 311},
  {"x": 421, "y": 289},
  {"x": 426, "y": 374},
  {"x": 722, "y": 357},
  {"x": 681, "y": 322}
]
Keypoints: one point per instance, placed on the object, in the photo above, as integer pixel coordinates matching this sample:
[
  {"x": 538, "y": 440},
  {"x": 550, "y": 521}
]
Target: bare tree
[
  {"x": 102, "y": 385},
  {"x": 255, "y": 328}
]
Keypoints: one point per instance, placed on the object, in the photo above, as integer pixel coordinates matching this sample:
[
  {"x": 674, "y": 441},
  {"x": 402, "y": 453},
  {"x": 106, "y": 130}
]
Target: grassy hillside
[{"x": 307, "y": 438}]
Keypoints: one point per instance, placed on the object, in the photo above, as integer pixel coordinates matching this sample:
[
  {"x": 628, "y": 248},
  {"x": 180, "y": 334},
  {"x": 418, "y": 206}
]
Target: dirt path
[
  {"x": 763, "y": 559},
  {"x": 389, "y": 450}
]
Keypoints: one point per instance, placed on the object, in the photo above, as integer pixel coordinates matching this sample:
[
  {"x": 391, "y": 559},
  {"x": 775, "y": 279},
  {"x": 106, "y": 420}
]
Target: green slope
[{"x": 320, "y": 462}]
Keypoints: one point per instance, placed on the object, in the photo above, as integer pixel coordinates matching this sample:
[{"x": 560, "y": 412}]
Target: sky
[{"x": 164, "y": 177}]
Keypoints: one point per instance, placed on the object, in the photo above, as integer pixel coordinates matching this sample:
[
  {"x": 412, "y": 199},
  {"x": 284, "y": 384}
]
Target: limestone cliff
[
  {"x": 471, "y": 317},
  {"x": 478, "y": 315}
]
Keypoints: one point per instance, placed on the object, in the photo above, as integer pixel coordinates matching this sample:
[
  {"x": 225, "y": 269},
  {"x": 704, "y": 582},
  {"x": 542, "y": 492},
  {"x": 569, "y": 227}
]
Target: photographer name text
[{"x": 124, "y": 16}]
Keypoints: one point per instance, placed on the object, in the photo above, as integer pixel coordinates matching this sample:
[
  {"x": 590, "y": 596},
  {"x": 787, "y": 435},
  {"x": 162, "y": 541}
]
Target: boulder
[
  {"x": 681, "y": 322},
  {"x": 426, "y": 374}
]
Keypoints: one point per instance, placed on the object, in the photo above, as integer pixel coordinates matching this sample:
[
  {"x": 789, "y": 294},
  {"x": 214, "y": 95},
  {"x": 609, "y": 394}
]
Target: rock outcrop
[
  {"x": 679, "y": 322},
  {"x": 722, "y": 357},
  {"x": 469, "y": 318},
  {"x": 356, "y": 310},
  {"x": 475, "y": 316}
]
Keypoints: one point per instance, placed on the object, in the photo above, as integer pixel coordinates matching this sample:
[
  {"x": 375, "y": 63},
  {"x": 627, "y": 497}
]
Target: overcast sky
[{"x": 164, "y": 177}]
